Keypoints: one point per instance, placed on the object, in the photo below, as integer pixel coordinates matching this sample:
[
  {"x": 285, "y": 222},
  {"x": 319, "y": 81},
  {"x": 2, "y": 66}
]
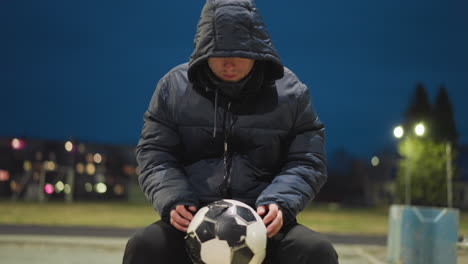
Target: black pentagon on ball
[
  {"x": 242, "y": 255},
  {"x": 228, "y": 229},
  {"x": 217, "y": 208},
  {"x": 193, "y": 247},
  {"x": 245, "y": 214},
  {"x": 205, "y": 231},
  {"x": 222, "y": 203}
]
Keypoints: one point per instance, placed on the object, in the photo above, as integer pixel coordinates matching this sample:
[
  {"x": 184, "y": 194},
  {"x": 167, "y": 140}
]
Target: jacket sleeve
[
  {"x": 304, "y": 171},
  {"x": 162, "y": 177}
]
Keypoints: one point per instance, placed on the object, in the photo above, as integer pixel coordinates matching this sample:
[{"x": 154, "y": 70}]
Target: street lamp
[
  {"x": 419, "y": 129},
  {"x": 399, "y": 132}
]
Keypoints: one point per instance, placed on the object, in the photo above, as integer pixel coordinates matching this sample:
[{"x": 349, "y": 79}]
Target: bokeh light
[
  {"x": 49, "y": 165},
  {"x": 17, "y": 144},
  {"x": 67, "y": 189},
  {"x": 81, "y": 148},
  {"x": 375, "y": 161},
  {"x": 398, "y": 132},
  {"x": 68, "y": 146},
  {"x": 97, "y": 158},
  {"x": 48, "y": 188},
  {"x": 27, "y": 165},
  {"x": 90, "y": 168},
  {"x": 4, "y": 175},
  {"x": 420, "y": 129},
  {"x": 100, "y": 187},
  {"x": 88, "y": 187},
  {"x": 14, "y": 186},
  {"x": 80, "y": 168},
  {"x": 119, "y": 189},
  {"x": 59, "y": 186}
]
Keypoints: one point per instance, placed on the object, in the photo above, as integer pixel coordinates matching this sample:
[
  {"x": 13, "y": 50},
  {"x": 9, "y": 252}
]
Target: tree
[
  {"x": 424, "y": 161},
  {"x": 444, "y": 129},
  {"x": 419, "y": 110}
]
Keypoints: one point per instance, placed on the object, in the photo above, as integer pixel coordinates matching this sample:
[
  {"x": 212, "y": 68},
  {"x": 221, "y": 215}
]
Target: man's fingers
[
  {"x": 261, "y": 210},
  {"x": 177, "y": 226},
  {"x": 176, "y": 217},
  {"x": 275, "y": 225},
  {"x": 272, "y": 212},
  {"x": 183, "y": 212},
  {"x": 192, "y": 208}
]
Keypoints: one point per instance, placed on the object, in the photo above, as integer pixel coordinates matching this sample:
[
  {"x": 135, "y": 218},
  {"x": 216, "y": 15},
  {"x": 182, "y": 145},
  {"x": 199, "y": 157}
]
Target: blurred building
[{"x": 68, "y": 170}]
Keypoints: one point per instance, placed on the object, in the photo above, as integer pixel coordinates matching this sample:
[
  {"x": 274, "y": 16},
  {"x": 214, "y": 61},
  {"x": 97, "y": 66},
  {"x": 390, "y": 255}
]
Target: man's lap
[{"x": 294, "y": 244}]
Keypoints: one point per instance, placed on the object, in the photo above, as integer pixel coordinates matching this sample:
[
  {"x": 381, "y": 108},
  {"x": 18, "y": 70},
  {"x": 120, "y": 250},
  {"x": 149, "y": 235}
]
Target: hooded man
[{"x": 233, "y": 123}]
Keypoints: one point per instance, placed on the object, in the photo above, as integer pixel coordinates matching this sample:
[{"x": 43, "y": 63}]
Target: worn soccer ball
[{"x": 226, "y": 232}]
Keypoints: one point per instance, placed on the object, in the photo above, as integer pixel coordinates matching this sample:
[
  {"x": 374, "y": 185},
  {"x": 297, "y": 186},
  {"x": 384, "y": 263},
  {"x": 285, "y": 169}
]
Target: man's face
[{"x": 230, "y": 69}]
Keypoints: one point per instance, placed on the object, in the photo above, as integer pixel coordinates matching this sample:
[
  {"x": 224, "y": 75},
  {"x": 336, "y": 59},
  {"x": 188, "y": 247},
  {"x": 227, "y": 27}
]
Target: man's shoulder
[
  {"x": 177, "y": 74},
  {"x": 290, "y": 83}
]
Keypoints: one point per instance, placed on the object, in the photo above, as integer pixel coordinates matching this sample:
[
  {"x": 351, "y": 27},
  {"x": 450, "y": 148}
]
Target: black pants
[{"x": 162, "y": 243}]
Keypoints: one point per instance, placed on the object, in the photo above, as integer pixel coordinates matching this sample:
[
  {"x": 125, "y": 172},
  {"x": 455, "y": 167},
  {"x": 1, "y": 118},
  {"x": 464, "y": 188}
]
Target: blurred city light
[
  {"x": 88, "y": 187},
  {"x": 49, "y": 165},
  {"x": 100, "y": 188},
  {"x": 48, "y": 188},
  {"x": 398, "y": 132},
  {"x": 4, "y": 175},
  {"x": 14, "y": 186},
  {"x": 90, "y": 169},
  {"x": 27, "y": 165},
  {"x": 375, "y": 161},
  {"x": 89, "y": 157},
  {"x": 68, "y": 146},
  {"x": 97, "y": 158},
  {"x": 80, "y": 168},
  {"x": 17, "y": 144},
  {"x": 419, "y": 129},
  {"x": 59, "y": 186},
  {"x": 67, "y": 188},
  {"x": 81, "y": 148},
  {"x": 119, "y": 189}
]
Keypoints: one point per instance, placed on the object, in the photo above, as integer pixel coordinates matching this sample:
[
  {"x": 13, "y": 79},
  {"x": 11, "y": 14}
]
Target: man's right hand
[{"x": 181, "y": 217}]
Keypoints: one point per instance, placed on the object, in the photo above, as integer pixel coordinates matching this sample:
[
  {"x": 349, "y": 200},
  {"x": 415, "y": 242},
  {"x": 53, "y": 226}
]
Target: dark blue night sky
[{"x": 87, "y": 69}]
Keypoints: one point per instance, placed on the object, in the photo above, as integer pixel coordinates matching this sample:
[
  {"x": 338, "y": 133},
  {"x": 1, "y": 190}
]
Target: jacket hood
[{"x": 233, "y": 28}]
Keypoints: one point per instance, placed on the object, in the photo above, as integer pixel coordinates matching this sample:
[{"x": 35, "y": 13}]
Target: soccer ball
[{"x": 226, "y": 232}]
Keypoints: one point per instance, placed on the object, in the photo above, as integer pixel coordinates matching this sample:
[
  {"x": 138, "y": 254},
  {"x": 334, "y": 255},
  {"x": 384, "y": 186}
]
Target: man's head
[
  {"x": 233, "y": 29},
  {"x": 230, "y": 69}
]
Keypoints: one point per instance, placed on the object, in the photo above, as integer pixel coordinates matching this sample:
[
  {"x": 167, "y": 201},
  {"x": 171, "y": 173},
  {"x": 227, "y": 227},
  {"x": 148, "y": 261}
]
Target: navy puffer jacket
[{"x": 274, "y": 138}]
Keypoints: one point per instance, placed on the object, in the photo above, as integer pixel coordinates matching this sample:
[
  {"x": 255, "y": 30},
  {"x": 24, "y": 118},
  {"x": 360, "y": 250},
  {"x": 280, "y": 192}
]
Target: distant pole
[
  {"x": 407, "y": 182},
  {"x": 42, "y": 178},
  {"x": 70, "y": 181},
  {"x": 448, "y": 152},
  {"x": 70, "y": 172}
]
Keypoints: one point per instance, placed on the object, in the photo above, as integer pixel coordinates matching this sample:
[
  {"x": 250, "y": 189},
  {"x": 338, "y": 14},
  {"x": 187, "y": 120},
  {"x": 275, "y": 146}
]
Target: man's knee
[
  {"x": 322, "y": 251},
  {"x": 157, "y": 241},
  {"x": 141, "y": 244},
  {"x": 313, "y": 246}
]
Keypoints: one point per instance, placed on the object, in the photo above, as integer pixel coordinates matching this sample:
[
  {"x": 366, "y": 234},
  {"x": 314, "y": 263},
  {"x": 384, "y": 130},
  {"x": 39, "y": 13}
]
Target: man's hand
[
  {"x": 181, "y": 217},
  {"x": 273, "y": 219}
]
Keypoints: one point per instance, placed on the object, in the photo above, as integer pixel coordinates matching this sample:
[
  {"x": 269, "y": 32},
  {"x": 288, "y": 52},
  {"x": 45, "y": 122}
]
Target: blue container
[{"x": 422, "y": 235}]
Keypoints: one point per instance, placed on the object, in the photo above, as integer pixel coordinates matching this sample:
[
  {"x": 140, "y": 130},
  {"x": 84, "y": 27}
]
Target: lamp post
[
  {"x": 448, "y": 162},
  {"x": 399, "y": 132}
]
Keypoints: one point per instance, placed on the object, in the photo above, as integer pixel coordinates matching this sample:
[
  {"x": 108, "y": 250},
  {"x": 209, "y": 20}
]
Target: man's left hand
[{"x": 273, "y": 220}]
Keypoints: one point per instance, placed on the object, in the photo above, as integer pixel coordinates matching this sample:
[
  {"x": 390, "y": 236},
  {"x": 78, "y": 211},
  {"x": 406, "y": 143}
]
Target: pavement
[{"x": 76, "y": 245}]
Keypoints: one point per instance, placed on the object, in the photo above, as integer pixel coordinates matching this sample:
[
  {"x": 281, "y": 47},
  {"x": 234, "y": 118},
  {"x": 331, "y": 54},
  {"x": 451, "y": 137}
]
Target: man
[{"x": 232, "y": 123}]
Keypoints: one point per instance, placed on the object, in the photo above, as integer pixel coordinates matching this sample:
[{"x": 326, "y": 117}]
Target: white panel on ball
[{"x": 216, "y": 251}]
